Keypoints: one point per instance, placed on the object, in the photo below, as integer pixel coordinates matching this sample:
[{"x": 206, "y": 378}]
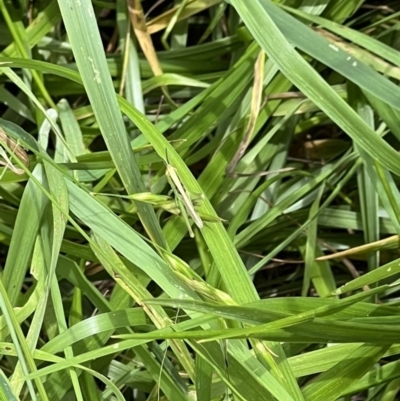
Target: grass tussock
[{"x": 199, "y": 200}]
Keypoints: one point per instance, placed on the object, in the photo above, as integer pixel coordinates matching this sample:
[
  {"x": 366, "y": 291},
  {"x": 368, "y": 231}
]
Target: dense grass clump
[{"x": 199, "y": 200}]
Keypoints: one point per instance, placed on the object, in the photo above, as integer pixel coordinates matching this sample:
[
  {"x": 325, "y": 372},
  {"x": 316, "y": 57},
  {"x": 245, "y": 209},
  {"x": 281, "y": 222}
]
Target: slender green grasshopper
[{"x": 182, "y": 198}]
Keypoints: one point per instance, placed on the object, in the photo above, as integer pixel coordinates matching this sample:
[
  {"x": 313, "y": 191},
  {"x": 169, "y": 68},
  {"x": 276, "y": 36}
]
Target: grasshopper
[{"x": 182, "y": 197}]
